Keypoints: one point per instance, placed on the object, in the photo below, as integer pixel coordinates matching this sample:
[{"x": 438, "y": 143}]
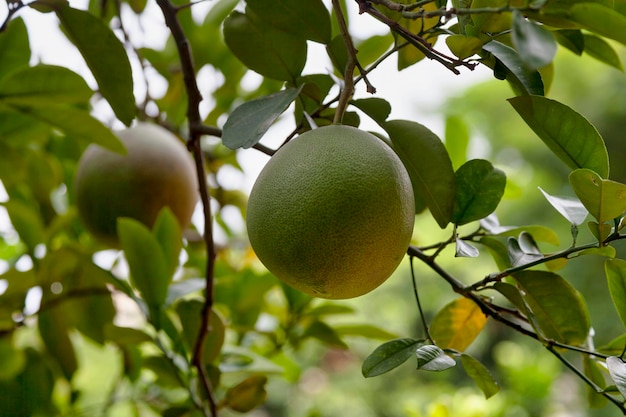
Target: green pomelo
[
  {"x": 332, "y": 212},
  {"x": 156, "y": 172}
]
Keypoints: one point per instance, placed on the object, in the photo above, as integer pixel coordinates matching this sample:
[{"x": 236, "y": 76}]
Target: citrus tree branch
[{"x": 196, "y": 130}]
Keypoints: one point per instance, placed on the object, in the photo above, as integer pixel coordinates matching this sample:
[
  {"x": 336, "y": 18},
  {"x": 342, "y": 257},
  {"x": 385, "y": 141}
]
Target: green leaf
[
  {"x": 364, "y": 330},
  {"x": 324, "y": 333},
  {"x": 27, "y": 221},
  {"x": 190, "y": 314},
  {"x": 535, "y": 44},
  {"x": 307, "y": 19},
  {"x": 464, "y": 46},
  {"x": 53, "y": 328},
  {"x": 247, "y": 124},
  {"x": 149, "y": 272},
  {"x": 539, "y": 233},
  {"x": 510, "y": 66},
  {"x": 14, "y": 47},
  {"x": 594, "y": 370},
  {"x": 270, "y": 52},
  {"x": 457, "y": 138},
  {"x": 569, "y": 207},
  {"x": 479, "y": 188},
  {"x": 433, "y": 358},
  {"x": 615, "y": 270},
  {"x": 43, "y": 85},
  {"x": 571, "y": 39},
  {"x": 105, "y": 56},
  {"x": 605, "y": 199},
  {"x": 617, "y": 370},
  {"x": 247, "y": 395},
  {"x": 77, "y": 123},
  {"x": 559, "y": 310},
  {"x": 457, "y": 324},
  {"x": 428, "y": 164},
  {"x": 170, "y": 238},
  {"x": 376, "y": 108},
  {"x": 602, "y": 51},
  {"x": 389, "y": 356},
  {"x": 184, "y": 287},
  {"x": 480, "y": 375},
  {"x": 600, "y": 19},
  {"x": 567, "y": 133}
]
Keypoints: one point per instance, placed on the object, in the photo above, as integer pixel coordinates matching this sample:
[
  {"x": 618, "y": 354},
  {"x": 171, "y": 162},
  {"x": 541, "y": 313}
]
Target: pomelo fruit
[
  {"x": 332, "y": 212},
  {"x": 156, "y": 172}
]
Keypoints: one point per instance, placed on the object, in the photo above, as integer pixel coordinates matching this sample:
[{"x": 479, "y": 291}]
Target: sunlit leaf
[
  {"x": 480, "y": 375},
  {"x": 464, "y": 46},
  {"x": 105, "y": 56},
  {"x": 364, "y": 330},
  {"x": 600, "y": 19},
  {"x": 605, "y": 199},
  {"x": 593, "y": 370},
  {"x": 567, "y": 133},
  {"x": 167, "y": 232},
  {"x": 617, "y": 370},
  {"x": 615, "y": 270},
  {"x": 539, "y": 233},
  {"x": 457, "y": 138},
  {"x": 535, "y": 44},
  {"x": 433, "y": 358},
  {"x": 457, "y": 324},
  {"x": 428, "y": 164},
  {"x": 558, "y": 308},
  {"x": 389, "y": 356},
  {"x": 479, "y": 188},
  {"x": 510, "y": 66},
  {"x": 247, "y": 124}
]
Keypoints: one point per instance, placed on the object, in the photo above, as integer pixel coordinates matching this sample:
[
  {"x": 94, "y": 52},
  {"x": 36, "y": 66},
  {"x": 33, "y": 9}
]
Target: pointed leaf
[
  {"x": 480, "y": 375},
  {"x": 376, "y": 108},
  {"x": 308, "y": 19},
  {"x": 457, "y": 324},
  {"x": 433, "y": 358},
  {"x": 149, "y": 272},
  {"x": 326, "y": 334},
  {"x": 465, "y": 249},
  {"x": 523, "y": 81},
  {"x": 14, "y": 47},
  {"x": 428, "y": 164},
  {"x": 247, "y": 124},
  {"x": 264, "y": 49},
  {"x": 617, "y": 370},
  {"x": 479, "y": 188},
  {"x": 559, "y": 310},
  {"x": 594, "y": 370},
  {"x": 571, "y": 39},
  {"x": 77, "y": 123},
  {"x": 569, "y": 207},
  {"x": 44, "y": 85},
  {"x": 615, "y": 270},
  {"x": 535, "y": 44},
  {"x": 605, "y": 199},
  {"x": 388, "y": 356},
  {"x": 105, "y": 56},
  {"x": 364, "y": 330},
  {"x": 567, "y": 133},
  {"x": 247, "y": 395},
  {"x": 539, "y": 233},
  {"x": 600, "y": 19},
  {"x": 601, "y": 50},
  {"x": 167, "y": 232}
]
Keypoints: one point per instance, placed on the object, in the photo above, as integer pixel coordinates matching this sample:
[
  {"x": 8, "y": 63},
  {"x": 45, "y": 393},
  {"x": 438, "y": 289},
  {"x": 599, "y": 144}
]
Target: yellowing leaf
[{"x": 457, "y": 324}]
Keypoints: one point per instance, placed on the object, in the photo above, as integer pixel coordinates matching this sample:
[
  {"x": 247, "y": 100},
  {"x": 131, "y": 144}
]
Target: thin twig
[
  {"x": 419, "y": 304},
  {"x": 196, "y": 130},
  {"x": 348, "y": 88}
]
